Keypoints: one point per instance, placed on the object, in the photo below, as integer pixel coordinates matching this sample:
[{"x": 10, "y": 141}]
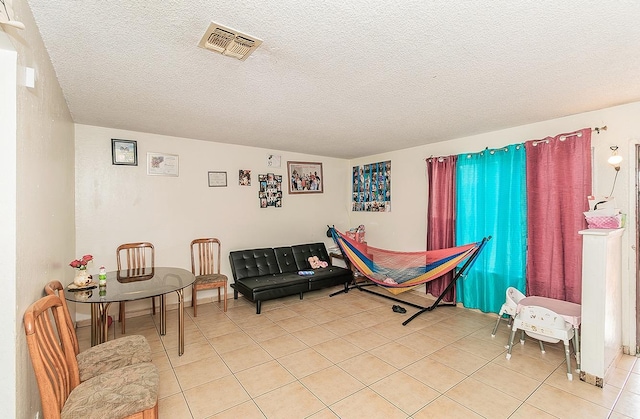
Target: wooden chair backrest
[
  {"x": 56, "y": 288},
  {"x": 205, "y": 256},
  {"x": 50, "y": 348},
  {"x": 135, "y": 255}
]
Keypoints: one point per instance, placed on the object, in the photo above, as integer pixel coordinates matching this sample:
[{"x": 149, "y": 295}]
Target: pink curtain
[
  {"x": 558, "y": 183},
  {"x": 441, "y": 210}
]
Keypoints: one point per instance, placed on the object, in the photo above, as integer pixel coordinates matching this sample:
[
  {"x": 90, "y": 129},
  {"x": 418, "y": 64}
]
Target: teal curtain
[{"x": 491, "y": 201}]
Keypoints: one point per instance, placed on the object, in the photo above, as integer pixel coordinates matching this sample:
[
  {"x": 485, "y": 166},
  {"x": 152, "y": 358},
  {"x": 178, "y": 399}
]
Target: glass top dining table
[{"x": 131, "y": 285}]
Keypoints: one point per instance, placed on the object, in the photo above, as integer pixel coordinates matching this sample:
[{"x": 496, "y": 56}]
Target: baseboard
[
  {"x": 600, "y": 381},
  {"x": 591, "y": 379}
]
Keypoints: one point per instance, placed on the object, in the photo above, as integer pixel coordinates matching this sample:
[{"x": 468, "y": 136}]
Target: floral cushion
[
  {"x": 210, "y": 279},
  {"x": 113, "y": 354},
  {"x": 115, "y": 394}
]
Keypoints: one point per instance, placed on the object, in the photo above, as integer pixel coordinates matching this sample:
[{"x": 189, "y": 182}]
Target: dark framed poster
[
  {"x": 371, "y": 190},
  {"x": 124, "y": 152}
]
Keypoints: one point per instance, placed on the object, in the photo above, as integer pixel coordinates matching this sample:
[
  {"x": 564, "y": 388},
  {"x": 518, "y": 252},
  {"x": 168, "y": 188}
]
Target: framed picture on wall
[
  {"x": 124, "y": 152},
  {"x": 162, "y": 164},
  {"x": 305, "y": 177},
  {"x": 270, "y": 193},
  {"x": 372, "y": 187},
  {"x": 244, "y": 177},
  {"x": 217, "y": 179}
]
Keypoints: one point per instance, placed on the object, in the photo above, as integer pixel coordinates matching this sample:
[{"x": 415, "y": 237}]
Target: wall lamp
[{"x": 614, "y": 160}]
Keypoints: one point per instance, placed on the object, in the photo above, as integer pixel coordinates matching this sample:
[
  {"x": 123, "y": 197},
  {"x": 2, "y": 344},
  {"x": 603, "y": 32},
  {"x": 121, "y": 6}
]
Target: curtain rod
[
  {"x": 576, "y": 133},
  {"x": 562, "y": 138},
  {"x": 598, "y": 129}
]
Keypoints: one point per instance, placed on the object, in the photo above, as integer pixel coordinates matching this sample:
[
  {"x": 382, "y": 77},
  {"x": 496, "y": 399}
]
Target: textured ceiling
[{"x": 340, "y": 78}]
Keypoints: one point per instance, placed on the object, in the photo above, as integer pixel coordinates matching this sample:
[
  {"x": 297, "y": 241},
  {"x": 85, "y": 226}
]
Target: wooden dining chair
[
  {"x": 107, "y": 356},
  {"x": 128, "y": 392},
  {"x": 205, "y": 265},
  {"x": 136, "y": 256}
]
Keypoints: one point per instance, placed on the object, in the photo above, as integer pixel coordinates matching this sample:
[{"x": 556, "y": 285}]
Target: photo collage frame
[
  {"x": 372, "y": 187},
  {"x": 270, "y": 193}
]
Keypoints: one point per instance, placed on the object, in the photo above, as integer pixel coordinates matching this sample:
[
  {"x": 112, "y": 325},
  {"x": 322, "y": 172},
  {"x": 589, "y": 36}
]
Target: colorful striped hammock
[
  {"x": 401, "y": 271},
  {"x": 397, "y": 272}
]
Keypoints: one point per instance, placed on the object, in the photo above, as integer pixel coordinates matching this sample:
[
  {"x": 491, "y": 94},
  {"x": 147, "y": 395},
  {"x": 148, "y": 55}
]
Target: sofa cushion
[
  {"x": 253, "y": 262},
  {"x": 265, "y": 283},
  {"x": 269, "y": 287},
  {"x": 286, "y": 261},
  {"x": 330, "y": 276},
  {"x": 302, "y": 253}
]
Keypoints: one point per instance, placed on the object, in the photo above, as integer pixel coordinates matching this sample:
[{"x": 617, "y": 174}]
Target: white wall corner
[{"x": 8, "y": 326}]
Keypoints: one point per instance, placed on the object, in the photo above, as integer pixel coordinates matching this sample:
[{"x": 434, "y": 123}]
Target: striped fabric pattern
[{"x": 401, "y": 271}]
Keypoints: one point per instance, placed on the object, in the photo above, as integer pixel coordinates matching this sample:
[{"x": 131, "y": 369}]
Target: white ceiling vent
[{"x": 226, "y": 41}]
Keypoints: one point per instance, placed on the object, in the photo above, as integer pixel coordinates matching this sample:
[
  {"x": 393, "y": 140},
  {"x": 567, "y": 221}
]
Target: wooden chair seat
[
  {"x": 107, "y": 356},
  {"x": 111, "y": 355},
  {"x": 213, "y": 280},
  {"x": 129, "y": 392}
]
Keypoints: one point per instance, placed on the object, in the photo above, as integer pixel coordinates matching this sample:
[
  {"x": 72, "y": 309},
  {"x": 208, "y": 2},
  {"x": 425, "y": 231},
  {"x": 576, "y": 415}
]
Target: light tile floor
[{"x": 349, "y": 356}]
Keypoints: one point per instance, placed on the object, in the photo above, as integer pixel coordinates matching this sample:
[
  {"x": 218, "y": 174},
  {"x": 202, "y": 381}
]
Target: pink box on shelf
[{"x": 612, "y": 221}]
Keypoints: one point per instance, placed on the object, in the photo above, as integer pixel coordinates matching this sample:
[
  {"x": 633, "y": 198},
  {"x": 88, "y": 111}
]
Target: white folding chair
[
  {"x": 545, "y": 325},
  {"x": 509, "y": 307}
]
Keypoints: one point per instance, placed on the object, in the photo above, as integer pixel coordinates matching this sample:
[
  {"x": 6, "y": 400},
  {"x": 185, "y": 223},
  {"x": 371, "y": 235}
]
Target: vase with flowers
[{"x": 82, "y": 278}]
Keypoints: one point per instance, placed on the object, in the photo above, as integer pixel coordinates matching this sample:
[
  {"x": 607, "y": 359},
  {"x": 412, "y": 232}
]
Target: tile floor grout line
[{"x": 626, "y": 379}]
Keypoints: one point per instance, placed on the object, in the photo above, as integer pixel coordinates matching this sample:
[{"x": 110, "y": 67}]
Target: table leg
[
  {"x": 95, "y": 324},
  {"x": 163, "y": 315},
  {"x": 180, "y": 322},
  {"x": 99, "y": 323},
  {"x": 576, "y": 336},
  {"x": 104, "y": 318}
]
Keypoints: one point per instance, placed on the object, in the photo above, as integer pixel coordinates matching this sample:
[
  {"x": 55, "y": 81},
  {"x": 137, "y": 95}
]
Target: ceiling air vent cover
[{"x": 226, "y": 41}]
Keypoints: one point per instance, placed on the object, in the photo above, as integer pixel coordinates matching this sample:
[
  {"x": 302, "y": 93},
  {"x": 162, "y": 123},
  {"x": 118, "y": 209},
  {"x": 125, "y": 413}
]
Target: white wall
[
  {"x": 405, "y": 227},
  {"x": 119, "y": 204},
  {"x": 8, "y": 66},
  {"x": 44, "y": 222}
]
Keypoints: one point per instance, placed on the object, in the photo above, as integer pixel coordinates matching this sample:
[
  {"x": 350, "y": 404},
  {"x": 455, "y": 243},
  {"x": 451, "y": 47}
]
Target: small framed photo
[
  {"x": 217, "y": 179},
  {"x": 161, "y": 164},
  {"x": 124, "y": 152},
  {"x": 305, "y": 177},
  {"x": 244, "y": 177}
]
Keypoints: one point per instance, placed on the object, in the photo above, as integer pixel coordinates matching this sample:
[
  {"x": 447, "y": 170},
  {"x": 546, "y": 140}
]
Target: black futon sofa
[{"x": 268, "y": 273}]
